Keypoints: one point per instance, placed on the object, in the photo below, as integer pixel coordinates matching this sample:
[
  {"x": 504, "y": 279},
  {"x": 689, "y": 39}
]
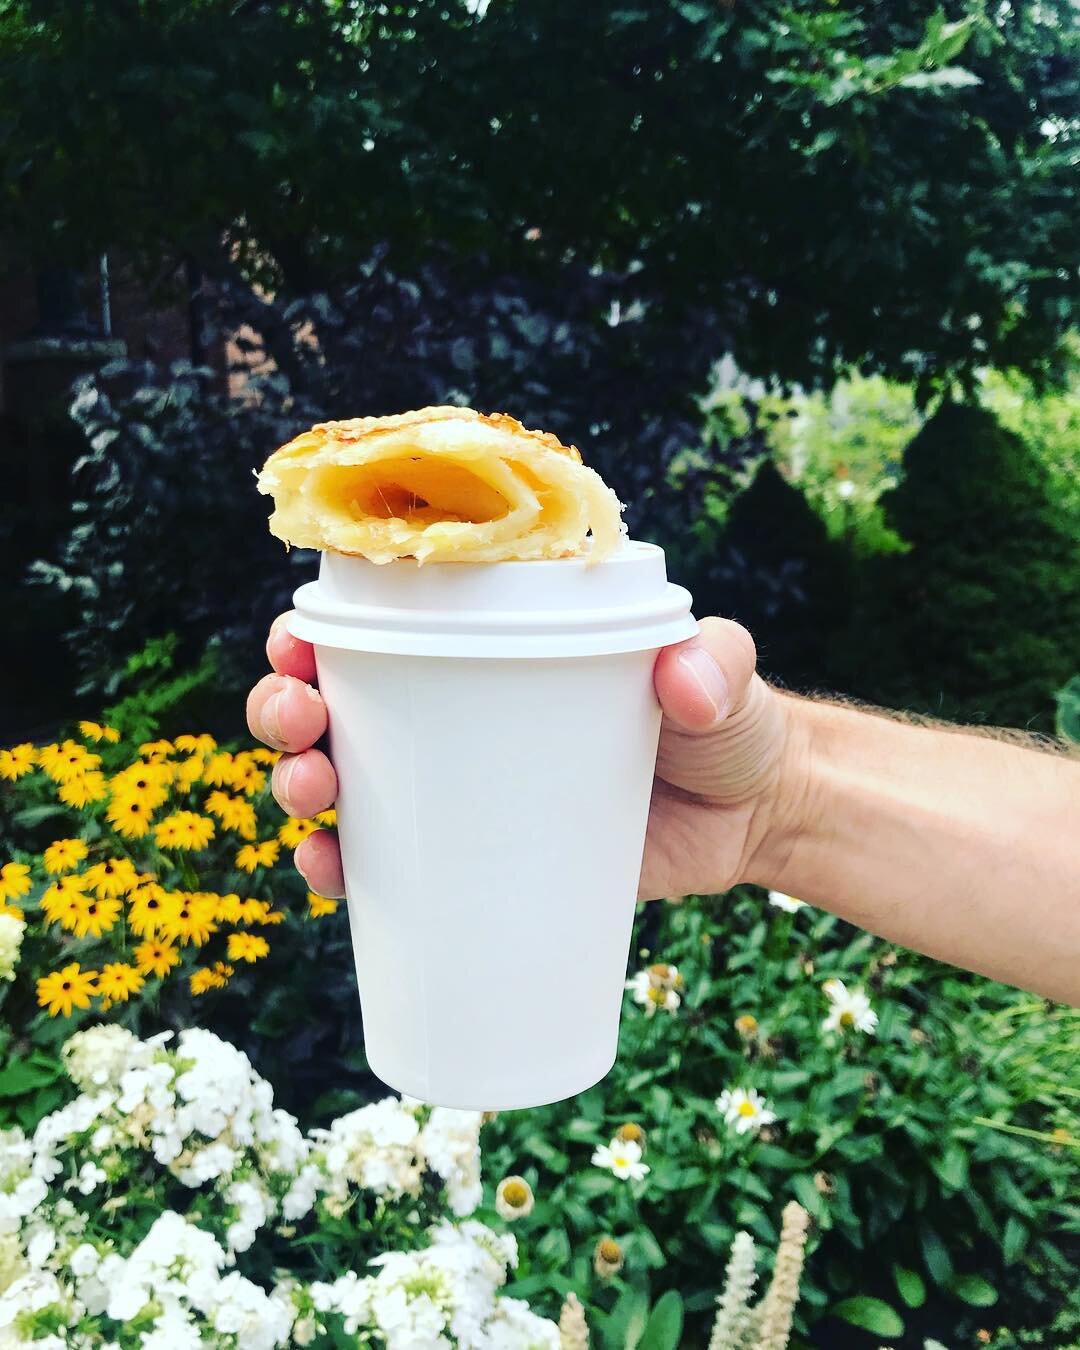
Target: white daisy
[
  {"x": 623, "y": 1158},
  {"x": 655, "y": 988},
  {"x": 744, "y": 1109},
  {"x": 850, "y": 1009},
  {"x": 788, "y": 903}
]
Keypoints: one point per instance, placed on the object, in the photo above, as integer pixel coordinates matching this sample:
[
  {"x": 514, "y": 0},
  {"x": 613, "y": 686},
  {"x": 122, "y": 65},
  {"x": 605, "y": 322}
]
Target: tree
[
  {"x": 885, "y": 184},
  {"x": 980, "y": 618}
]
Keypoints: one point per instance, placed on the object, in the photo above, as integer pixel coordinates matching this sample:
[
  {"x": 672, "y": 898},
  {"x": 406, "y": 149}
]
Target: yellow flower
[
  {"x": 83, "y": 790},
  {"x": 57, "y": 897},
  {"x": 12, "y": 911},
  {"x": 261, "y": 755},
  {"x": 95, "y": 731},
  {"x": 66, "y": 989},
  {"x": 193, "y": 920},
  {"x": 19, "y": 760},
  {"x": 210, "y": 977},
  {"x": 89, "y": 916},
  {"x": 230, "y": 908},
  {"x": 118, "y": 981},
  {"x": 294, "y": 831},
  {"x": 188, "y": 772},
  {"x": 254, "y": 911},
  {"x": 247, "y": 947},
  {"x": 327, "y": 819},
  {"x": 271, "y": 916},
  {"x": 318, "y": 905},
  {"x": 203, "y": 745},
  {"x": 64, "y": 854},
  {"x": 184, "y": 830},
  {"x": 67, "y": 761},
  {"x": 114, "y": 876},
  {"x": 258, "y": 855},
  {"x": 145, "y": 783},
  {"x": 234, "y": 813},
  {"x": 129, "y": 817},
  {"x": 247, "y": 774},
  {"x": 156, "y": 957},
  {"x": 155, "y": 750},
  {"x": 221, "y": 770},
  {"x": 149, "y": 906},
  {"x": 14, "y": 881}
]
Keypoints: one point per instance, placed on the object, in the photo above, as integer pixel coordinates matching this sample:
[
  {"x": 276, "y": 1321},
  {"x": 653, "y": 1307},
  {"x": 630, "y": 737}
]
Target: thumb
[
  {"x": 705, "y": 679},
  {"x": 724, "y": 729}
]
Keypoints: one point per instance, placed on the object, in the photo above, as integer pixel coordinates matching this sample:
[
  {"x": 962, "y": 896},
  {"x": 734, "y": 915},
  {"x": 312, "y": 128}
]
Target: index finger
[{"x": 289, "y": 655}]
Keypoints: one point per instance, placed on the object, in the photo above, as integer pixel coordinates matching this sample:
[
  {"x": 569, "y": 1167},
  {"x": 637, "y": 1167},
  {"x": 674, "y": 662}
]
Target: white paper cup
[{"x": 494, "y": 731}]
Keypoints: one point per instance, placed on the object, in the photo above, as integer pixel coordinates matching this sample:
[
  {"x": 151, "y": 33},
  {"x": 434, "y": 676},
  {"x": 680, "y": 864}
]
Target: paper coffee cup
[{"x": 494, "y": 730}]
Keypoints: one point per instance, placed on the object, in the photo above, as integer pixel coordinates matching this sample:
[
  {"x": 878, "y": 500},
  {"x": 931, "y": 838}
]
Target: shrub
[{"x": 980, "y": 618}]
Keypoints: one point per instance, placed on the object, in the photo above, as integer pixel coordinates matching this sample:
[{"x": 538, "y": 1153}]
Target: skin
[{"x": 955, "y": 844}]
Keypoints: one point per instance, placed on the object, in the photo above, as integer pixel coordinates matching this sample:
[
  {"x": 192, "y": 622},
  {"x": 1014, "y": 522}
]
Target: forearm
[{"x": 955, "y": 845}]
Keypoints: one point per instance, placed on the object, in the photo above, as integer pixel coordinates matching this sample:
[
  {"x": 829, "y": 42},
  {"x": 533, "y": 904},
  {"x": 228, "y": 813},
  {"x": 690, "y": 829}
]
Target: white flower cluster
[
  {"x": 11, "y": 936},
  {"x": 194, "y": 1129},
  {"x": 420, "y": 1298}
]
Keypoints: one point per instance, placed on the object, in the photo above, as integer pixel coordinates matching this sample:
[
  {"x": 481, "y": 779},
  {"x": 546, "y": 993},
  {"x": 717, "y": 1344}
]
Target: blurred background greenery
[{"x": 800, "y": 279}]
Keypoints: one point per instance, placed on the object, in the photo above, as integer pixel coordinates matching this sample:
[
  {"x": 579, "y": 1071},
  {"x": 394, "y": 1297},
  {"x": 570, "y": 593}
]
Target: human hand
[{"x": 717, "y": 798}]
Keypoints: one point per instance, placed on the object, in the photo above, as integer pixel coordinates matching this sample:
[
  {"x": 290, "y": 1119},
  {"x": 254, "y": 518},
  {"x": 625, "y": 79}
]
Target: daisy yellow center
[
  {"x": 514, "y": 1193},
  {"x": 847, "y": 1018},
  {"x": 747, "y": 1109}
]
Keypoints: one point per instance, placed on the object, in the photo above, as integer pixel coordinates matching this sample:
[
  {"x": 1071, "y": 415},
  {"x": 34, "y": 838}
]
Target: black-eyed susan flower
[
  {"x": 16, "y": 761},
  {"x": 295, "y": 831},
  {"x": 262, "y": 755},
  {"x": 66, "y": 989},
  {"x": 318, "y": 905},
  {"x": 118, "y": 981},
  {"x": 83, "y": 790},
  {"x": 258, "y": 855},
  {"x": 64, "y": 854},
  {"x": 514, "y": 1198},
  {"x": 235, "y": 813},
  {"x": 230, "y": 908},
  {"x": 91, "y": 916},
  {"x": 247, "y": 775},
  {"x": 67, "y": 761},
  {"x": 184, "y": 830},
  {"x": 327, "y": 819},
  {"x": 206, "y": 978},
  {"x": 143, "y": 782},
  {"x": 220, "y": 770},
  {"x": 95, "y": 731},
  {"x": 247, "y": 947},
  {"x": 56, "y": 898},
  {"x": 187, "y": 744},
  {"x": 113, "y": 876},
  {"x": 149, "y": 904},
  {"x": 155, "y": 749},
  {"x": 14, "y": 881},
  {"x": 129, "y": 817},
  {"x": 193, "y": 920},
  {"x": 157, "y": 957},
  {"x": 188, "y": 772}
]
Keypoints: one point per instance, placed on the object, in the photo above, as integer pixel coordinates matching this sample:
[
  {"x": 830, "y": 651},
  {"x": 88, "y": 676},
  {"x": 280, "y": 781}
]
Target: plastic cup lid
[{"x": 551, "y": 608}]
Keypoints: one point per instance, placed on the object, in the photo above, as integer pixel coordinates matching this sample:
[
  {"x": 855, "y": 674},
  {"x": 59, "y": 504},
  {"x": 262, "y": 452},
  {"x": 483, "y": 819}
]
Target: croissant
[{"x": 439, "y": 484}]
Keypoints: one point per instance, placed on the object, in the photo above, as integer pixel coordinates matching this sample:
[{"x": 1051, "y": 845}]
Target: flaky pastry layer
[{"x": 439, "y": 485}]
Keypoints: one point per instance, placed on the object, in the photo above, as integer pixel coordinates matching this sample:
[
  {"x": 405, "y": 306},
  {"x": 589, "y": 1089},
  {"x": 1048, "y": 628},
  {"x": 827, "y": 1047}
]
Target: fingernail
[
  {"x": 708, "y": 677},
  {"x": 271, "y": 718},
  {"x": 297, "y": 863},
  {"x": 283, "y": 772}
]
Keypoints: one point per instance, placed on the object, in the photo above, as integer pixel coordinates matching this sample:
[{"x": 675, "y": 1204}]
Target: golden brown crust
[{"x": 353, "y": 429}]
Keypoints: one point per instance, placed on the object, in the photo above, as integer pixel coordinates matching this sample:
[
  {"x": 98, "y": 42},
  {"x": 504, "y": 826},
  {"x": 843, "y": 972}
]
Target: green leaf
[
  {"x": 21, "y": 1077},
  {"x": 624, "y": 1328},
  {"x": 872, "y": 1314},
  {"x": 1068, "y": 710},
  {"x": 910, "y": 1286},
  {"x": 664, "y": 1327},
  {"x": 952, "y": 1168},
  {"x": 1013, "y": 1240},
  {"x": 975, "y": 1290},
  {"x": 936, "y": 1256}
]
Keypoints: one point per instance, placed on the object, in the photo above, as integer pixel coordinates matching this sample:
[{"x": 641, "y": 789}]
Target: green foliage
[
  {"x": 980, "y": 618},
  {"x": 1068, "y": 711},
  {"x": 772, "y": 566},
  {"x": 936, "y": 1158},
  {"x": 756, "y": 166}
]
